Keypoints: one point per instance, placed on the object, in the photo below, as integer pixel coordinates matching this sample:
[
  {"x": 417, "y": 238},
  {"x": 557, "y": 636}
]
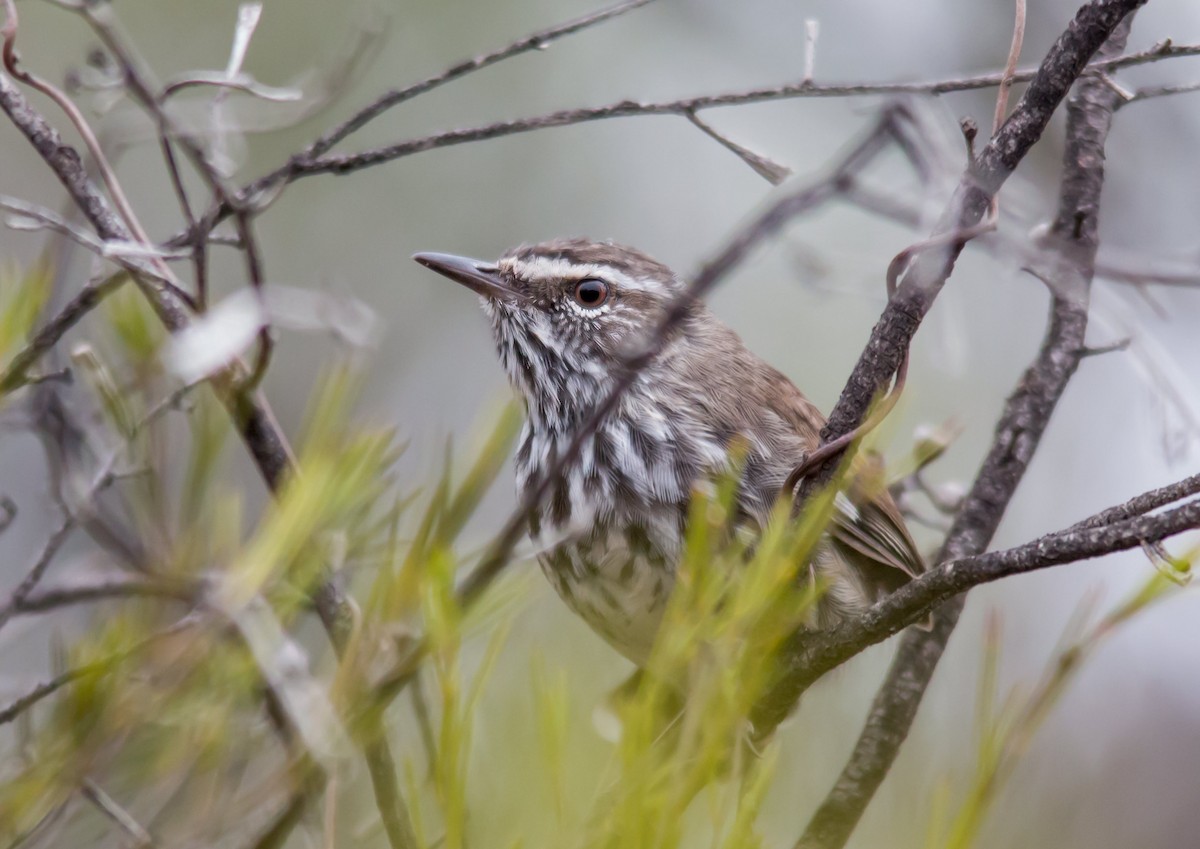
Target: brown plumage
[{"x": 563, "y": 313}]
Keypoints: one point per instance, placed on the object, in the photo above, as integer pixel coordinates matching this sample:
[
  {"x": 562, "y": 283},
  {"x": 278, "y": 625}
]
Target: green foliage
[
  {"x": 686, "y": 728},
  {"x": 157, "y": 698},
  {"x": 131, "y": 323},
  {"x": 22, "y": 297},
  {"x": 1006, "y": 728}
]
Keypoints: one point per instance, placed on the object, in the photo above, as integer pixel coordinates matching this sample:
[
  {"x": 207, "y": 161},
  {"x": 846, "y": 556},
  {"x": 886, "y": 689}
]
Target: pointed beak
[{"x": 482, "y": 278}]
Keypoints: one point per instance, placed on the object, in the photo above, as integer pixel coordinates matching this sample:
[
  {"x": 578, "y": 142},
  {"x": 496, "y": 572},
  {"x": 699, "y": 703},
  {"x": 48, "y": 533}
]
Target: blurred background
[{"x": 1116, "y": 763}]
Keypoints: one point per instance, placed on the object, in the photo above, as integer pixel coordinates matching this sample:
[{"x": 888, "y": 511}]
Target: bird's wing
[
  {"x": 746, "y": 395},
  {"x": 869, "y": 532}
]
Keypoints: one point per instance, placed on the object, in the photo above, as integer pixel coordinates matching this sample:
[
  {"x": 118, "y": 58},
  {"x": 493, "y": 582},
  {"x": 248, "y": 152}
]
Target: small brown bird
[{"x": 611, "y": 532}]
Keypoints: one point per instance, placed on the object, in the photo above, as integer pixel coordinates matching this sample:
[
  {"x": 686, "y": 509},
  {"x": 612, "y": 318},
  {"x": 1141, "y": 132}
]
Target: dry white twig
[{"x": 812, "y": 29}]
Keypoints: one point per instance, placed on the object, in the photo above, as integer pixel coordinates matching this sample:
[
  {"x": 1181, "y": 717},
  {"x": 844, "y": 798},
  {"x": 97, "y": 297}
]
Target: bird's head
[{"x": 564, "y": 312}]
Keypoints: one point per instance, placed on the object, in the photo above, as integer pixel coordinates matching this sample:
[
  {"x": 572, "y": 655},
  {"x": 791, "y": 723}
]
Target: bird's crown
[{"x": 552, "y": 270}]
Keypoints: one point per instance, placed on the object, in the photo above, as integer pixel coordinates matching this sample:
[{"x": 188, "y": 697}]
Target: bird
[{"x": 564, "y": 316}]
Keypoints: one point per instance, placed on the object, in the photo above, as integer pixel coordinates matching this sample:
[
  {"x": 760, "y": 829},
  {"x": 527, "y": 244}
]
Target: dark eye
[{"x": 591, "y": 292}]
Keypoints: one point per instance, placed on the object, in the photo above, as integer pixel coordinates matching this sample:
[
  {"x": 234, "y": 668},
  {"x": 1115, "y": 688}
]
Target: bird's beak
[{"x": 482, "y": 278}]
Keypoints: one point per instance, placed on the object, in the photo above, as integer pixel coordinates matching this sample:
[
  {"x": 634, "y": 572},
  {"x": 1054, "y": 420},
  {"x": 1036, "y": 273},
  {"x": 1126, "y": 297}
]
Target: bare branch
[
  {"x": 15, "y": 374},
  {"x": 237, "y": 82},
  {"x": 1142, "y": 504},
  {"x": 125, "y": 586},
  {"x": 1018, "y": 433},
  {"x": 303, "y": 166},
  {"x": 1090, "y": 538},
  {"x": 107, "y": 805},
  {"x": 11, "y": 26},
  {"x": 1143, "y": 273},
  {"x": 19, "y": 596},
  {"x": 129, "y": 255},
  {"x": 536, "y": 41},
  {"x": 1010, "y": 66},
  {"x": 769, "y": 170},
  {"x": 344, "y": 164},
  {"x": 99, "y": 667},
  {"x": 18, "y": 706},
  {"x": 1151, "y": 92}
]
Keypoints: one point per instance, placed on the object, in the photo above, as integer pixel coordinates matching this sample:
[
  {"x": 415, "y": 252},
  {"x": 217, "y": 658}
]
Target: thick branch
[
  {"x": 893, "y": 333},
  {"x": 1082, "y": 541},
  {"x": 1018, "y": 434}
]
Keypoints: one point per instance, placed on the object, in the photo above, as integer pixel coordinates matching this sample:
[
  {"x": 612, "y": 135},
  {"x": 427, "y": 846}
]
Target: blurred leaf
[
  {"x": 21, "y": 300},
  {"x": 1005, "y": 734},
  {"x": 490, "y": 459},
  {"x": 99, "y": 378},
  {"x": 132, "y": 323}
]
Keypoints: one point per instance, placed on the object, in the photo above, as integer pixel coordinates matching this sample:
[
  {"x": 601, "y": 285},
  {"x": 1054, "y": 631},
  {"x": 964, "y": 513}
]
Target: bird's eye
[{"x": 591, "y": 292}]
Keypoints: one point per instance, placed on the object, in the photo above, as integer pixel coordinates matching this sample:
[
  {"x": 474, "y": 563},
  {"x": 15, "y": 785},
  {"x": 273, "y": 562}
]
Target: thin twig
[
  {"x": 107, "y": 174},
  {"x": 19, "y": 596},
  {"x": 18, "y": 706},
  {"x": 303, "y": 166},
  {"x": 1083, "y": 541},
  {"x": 1010, "y": 66},
  {"x": 768, "y": 169},
  {"x": 1142, "y": 273},
  {"x": 1142, "y": 504},
  {"x": 1151, "y": 92},
  {"x": 107, "y": 805},
  {"x": 126, "y": 586},
  {"x": 15, "y": 374},
  {"x": 23, "y": 600},
  {"x": 539, "y": 40},
  {"x": 133, "y": 256}
]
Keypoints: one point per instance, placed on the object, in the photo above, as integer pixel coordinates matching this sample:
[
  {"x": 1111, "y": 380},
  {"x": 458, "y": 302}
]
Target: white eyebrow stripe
[{"x": 556, "y": 268}]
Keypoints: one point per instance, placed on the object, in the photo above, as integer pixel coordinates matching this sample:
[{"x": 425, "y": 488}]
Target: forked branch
[{"x": 1024, "y": 421}]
